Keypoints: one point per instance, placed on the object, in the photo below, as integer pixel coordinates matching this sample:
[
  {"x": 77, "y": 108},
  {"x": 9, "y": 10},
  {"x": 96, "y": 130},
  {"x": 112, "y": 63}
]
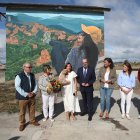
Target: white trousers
[
  {"x": 48, "y": 103},
  {"x": 127, "y": 98}
]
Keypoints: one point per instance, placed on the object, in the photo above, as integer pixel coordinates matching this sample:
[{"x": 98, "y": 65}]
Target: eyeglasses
[
  {"x": 78, "y": 37},
  {"x": 28, "y": 67}
]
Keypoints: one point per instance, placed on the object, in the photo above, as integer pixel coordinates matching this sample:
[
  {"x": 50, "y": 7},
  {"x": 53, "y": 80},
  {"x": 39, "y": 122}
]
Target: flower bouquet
[{"x": 55, "y": 85}]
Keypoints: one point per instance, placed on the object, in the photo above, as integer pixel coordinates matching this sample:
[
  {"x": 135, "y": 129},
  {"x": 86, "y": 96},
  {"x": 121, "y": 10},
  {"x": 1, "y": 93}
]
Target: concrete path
[{"x": 113, "y": 129}]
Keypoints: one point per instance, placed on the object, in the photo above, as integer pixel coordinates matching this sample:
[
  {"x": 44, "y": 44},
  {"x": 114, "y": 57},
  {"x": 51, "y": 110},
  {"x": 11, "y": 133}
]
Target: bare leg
[
  {"x": 67, "y": 116},
  {"x": 107, "y": 115},
  {"x": 73, "y": 116},
  {"x": 101, "y": 114}
]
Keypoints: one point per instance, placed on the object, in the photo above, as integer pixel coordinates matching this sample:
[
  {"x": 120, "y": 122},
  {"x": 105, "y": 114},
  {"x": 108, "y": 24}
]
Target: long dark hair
[
  {"x": 90, "y": 49},
  {"x": 126, "y": 63},
  {"x": 67, "y": 65},
  {"x": 109, "y": 60}
]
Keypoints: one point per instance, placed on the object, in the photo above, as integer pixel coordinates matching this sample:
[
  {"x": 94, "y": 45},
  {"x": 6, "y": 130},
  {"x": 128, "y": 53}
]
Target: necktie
[{"x": 85, "y": 72}]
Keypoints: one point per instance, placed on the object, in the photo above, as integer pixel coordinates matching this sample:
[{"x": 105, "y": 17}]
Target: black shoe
[
  {"x": 83, "y": 113},
  {"x": 34, "y": 123},
  {"x": 89, "y": 118}
]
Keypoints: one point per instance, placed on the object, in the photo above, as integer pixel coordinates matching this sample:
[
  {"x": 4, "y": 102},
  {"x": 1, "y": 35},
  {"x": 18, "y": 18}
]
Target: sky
[{"x": 122, "y": 25}]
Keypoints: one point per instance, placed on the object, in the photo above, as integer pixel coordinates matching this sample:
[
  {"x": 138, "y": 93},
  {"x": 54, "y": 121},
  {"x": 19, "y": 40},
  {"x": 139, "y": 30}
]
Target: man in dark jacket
[
  {"x": 26, "y": 89},
  {"x": 86, "y": 78}
]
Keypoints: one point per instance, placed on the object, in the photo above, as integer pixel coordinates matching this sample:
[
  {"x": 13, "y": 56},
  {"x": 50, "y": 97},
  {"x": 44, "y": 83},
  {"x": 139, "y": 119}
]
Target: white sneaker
[
  {"x": 139, "y": 117},
  {"x": 52, "y": 120},
  {"x": 128, "y": 117},
  {"x": 44, "y": 119},
  {"x": 123, "y": 115}
]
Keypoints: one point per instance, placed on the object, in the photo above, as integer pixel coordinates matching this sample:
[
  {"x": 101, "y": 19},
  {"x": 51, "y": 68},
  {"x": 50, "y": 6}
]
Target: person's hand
[
  {"x": 68, "y": 82},
  {"x": 83, "y": 84},
  {"x": 103, "y": 81},
  {"x": 30, "y": 95},
  {"x": 128, "y": 91},
  {"x": 108, "y": 81},
  {"x": 122, "y": 89},
  {"x": 33, "y": 94},
  {"x": 86, "y": 85},
  {"x": 125, "y": 91},
  {"x": 49, "y": 89},
  {"x": 75, "y": 93}
]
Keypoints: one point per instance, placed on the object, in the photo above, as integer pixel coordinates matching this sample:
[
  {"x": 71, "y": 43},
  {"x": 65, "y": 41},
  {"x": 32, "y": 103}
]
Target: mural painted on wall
[{"x": 52, "y": 38}]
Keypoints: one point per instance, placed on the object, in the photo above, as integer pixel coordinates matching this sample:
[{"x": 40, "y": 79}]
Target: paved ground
[{"x": 113, "y": 129}]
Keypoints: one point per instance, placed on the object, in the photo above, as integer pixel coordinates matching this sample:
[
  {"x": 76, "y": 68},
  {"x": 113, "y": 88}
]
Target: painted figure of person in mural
[
  {"x": 59, "y": 49},
  {"x": 87, "y": 48}
]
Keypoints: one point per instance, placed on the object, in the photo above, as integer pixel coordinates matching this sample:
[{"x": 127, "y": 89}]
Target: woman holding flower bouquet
[
  {"x": 71, "y": 102},
  {"x": 47, "y": 93}
]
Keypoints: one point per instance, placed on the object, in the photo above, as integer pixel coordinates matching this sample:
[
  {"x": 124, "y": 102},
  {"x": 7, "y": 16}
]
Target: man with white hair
[{"x": 26, "y": 89}]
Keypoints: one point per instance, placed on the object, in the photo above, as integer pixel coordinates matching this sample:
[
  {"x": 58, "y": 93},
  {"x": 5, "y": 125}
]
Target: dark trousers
[{"x": 88, "y": 102}]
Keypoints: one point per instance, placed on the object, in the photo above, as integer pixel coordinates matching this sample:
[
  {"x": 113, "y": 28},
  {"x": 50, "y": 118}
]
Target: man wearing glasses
[{"x": 26, "y": 90}]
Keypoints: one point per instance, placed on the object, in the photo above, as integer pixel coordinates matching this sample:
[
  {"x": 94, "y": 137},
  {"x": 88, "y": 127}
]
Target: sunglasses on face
[{"x": 29, "y": 67}]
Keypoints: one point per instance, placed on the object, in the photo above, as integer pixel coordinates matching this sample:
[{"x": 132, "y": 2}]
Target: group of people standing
[{"x": 26, "y": 89}]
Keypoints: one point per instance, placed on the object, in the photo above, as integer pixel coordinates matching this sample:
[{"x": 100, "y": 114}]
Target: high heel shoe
[
  {"x": 107, "y": 116},
  {"x": 74, "y": 118},
  {"x": 101, "y": 115}
]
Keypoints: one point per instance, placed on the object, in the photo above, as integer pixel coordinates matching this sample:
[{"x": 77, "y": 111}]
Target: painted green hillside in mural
[{"x": 28, "y": 46}]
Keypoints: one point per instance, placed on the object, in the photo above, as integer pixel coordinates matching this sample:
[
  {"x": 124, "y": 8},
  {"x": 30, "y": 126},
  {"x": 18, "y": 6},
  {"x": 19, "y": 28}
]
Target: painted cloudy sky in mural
[
  {"x": 67, "y": 20},
  {"x": 122, "y": 28}
]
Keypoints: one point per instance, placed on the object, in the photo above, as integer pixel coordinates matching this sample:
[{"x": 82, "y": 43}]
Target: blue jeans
[{"x": 105, "y": 95}]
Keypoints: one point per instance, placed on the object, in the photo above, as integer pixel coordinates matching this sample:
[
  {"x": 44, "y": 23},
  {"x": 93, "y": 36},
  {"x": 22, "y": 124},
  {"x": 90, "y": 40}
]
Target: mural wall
[{"x": 53, "y": 38}]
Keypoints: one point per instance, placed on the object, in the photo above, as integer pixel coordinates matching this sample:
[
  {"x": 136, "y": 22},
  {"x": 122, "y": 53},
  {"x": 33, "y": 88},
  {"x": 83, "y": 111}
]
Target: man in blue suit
[{"x": 86, "y": 77}]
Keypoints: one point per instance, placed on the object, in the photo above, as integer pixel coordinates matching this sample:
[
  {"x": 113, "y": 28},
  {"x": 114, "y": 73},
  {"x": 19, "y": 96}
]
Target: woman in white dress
[{"x": 71, "y": 102}]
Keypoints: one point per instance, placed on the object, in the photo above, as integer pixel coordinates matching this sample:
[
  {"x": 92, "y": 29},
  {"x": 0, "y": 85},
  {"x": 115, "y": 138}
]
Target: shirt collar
[
  {"x": 27, "y": 74},
  {"x": 85, "y": 68}
]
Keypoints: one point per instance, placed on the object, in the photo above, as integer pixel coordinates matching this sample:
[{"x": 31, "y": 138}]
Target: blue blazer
[{"x": 90, "y": 79}]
